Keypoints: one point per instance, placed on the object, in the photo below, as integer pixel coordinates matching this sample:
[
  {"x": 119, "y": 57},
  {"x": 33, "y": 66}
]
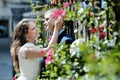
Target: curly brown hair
[{"x": 19, "y": 39}]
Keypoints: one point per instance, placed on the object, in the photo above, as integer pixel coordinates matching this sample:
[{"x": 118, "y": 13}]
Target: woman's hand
[
  {"x": 59, "y": 23},
  {"x": 58, "y": 27}
]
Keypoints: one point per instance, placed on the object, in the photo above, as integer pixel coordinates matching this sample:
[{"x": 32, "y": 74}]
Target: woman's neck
[{"x": 31, "y": 40}]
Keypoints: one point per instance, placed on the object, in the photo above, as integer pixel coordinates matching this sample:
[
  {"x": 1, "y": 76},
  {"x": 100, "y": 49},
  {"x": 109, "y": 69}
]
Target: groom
[
  {"x": 63, "y": 37},
  {"x": 49, "y": 27}
]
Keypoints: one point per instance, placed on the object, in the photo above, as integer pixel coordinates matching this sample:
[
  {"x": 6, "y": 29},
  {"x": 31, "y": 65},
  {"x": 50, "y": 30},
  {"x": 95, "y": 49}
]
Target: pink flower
[
  {"x": 15, "y": 78},
  {"x": 93, "y": 30},
  {"x": 59, "y": 12},
  {"x": 50, "y": 52},
  {"x": 66, "y": 4},
  {"x": 49, "y": 38},
  {"x": 102, "y": 35},
  {"x": 71, "y": 1},
  {"x": 53, "y": 2},
  {"x": 59, "y": 1},
  {"x": 48, "y": 60}
]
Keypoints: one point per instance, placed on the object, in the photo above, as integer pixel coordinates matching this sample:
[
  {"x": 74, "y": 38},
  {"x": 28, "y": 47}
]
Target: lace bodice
[{"x": 29, "y": 68}]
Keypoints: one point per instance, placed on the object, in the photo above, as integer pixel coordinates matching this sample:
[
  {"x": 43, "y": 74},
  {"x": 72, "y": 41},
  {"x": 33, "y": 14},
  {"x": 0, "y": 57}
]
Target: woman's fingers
[{"x": 59, "y": 21}]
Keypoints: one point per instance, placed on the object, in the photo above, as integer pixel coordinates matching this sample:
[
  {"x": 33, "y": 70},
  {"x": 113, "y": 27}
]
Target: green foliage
[
  {"x": 89, "y": 60},
  {"x": 83, "y": 63}
]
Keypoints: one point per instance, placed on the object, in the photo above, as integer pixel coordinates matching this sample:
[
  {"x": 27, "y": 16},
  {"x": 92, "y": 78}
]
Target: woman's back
[{"x": 29, "y": 68}]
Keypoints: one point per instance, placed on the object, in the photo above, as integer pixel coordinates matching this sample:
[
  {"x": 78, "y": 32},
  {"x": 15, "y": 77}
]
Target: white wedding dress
[{"x": 29, "y": 68}]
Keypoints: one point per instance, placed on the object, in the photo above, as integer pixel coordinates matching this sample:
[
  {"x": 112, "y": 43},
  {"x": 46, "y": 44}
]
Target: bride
[{"x": 24, "y": 60}]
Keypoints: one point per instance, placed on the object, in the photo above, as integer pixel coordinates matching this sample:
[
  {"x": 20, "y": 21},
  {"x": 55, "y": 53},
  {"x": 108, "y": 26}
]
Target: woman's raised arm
[{"x": 40, "y": 52}]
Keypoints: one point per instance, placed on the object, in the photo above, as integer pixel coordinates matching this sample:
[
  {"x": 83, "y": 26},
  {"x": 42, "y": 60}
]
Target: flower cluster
[
  {"x": 59, "y": 1},
  {"x": 100, "y": 29},
  {"x": 59, "y": 12},
  {"x": 48, "y": 59}
]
